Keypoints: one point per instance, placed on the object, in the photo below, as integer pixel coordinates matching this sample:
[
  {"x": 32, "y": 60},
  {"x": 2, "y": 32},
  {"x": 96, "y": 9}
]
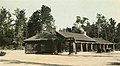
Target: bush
[{"x": 2, "y": 53}]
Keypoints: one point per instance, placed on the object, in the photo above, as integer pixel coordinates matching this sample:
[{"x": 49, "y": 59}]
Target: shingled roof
[
  {"x": 76, "y": 36},
  {"x": 100, "y": 40},
  {"x": 41, "y": 36}
]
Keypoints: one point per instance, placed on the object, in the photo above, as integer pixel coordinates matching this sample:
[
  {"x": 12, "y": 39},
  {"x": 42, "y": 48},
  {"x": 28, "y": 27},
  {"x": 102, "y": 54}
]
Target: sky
[{"x": 65, "y": 11}]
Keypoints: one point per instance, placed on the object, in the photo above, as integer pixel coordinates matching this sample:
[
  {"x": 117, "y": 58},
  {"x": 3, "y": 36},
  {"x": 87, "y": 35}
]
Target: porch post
[
  {"x": 100, "y": 46},
  {"x": 74, "y": 48},
  {"x": 113, "y": 47},
  {"x": 107, "y": 46},
  {"x": 86, "y": 47},
  {"x": 91, "y": 46},
  {"x": 104, "y": 47},
  {"x": 70, "y": 47},
  {"x": 81, "y": 47},
  {"x": 96, "y": 47}
]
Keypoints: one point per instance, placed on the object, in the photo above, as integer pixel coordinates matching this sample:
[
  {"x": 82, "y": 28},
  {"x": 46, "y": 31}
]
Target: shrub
[{"x": 2, "y": 53}]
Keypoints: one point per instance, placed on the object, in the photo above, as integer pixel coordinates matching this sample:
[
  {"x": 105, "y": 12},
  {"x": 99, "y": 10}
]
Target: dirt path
[{"x": 18, "y": 58}]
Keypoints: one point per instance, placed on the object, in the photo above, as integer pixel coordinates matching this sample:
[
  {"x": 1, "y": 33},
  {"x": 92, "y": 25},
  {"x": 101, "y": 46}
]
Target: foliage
[
  {"x": 2, "y": 53},
  {"x": 34, "y": 24},
  {"x": 20, "y": 26},
  {"x": 6, "y": 32},
  {"x": 117, "y": 34},
  {"x": 102, "y": 28},
  {"x": 47, "y": 18},
  {"x": 77, "y": 26},
  {"x": 112, "y": 29},
  {"x": 41, "y": 20}
]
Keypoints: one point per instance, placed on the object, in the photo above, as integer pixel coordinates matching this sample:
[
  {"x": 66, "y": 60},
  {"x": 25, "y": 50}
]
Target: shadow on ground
[
  {"x": 96, "y": 56},
  {"x": 87, "y": 55},
  {"x": 32, "y": 63},
  {"x": 114, "y": 63}
]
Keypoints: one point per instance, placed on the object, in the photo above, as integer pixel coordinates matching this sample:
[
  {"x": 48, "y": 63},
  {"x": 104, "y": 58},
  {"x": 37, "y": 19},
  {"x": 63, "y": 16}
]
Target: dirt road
[{"x": 19, "y": 58}]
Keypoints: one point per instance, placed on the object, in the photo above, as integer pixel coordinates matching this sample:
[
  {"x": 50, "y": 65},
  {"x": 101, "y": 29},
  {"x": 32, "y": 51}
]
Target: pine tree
[
  {"x": 5, "y": 27},
  {"x": 40, "y": 20},
  {"x": 20, "y": 26}
]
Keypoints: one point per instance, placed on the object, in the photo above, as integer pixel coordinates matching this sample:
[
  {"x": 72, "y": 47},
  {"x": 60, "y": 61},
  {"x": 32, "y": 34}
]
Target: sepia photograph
[{"x": 59, "y": 32}]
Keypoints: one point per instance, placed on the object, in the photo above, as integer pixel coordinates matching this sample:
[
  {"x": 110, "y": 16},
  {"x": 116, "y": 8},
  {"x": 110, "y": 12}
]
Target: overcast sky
[{"x": 65, "y": 11}]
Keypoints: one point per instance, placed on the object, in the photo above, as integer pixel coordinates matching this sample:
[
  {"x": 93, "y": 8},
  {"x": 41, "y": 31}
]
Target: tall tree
[
  {"x": 88, "y": 29},
  {"x": 117, "y": 38},
  {"x": 91, "y": 30},
  {"x": 104, "y": 27},
  {"x": 78, "y": 26},
  {"x": 5, "y": 27},
  {"x": 112, "y": 29},
  {"x": 20, "y": 25},
  {"x": 81, "y": 21},
  {"x": 47, "y": 18},
  {"x": 101, "y": 25},
  {"x": 40, "y": 20},
  {"x": 34, "y": 23}
]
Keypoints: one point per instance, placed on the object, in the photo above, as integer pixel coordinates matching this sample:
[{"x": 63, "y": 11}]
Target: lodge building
[{"x": 59, "y": 42}]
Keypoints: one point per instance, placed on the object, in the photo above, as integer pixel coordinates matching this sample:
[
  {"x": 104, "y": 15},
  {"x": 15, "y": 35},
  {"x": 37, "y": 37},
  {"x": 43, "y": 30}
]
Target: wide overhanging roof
[
  {"x": 76, "y": 36},
  {"x": 42, "y": 36},
  {"x": 102, "y": 41}
]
